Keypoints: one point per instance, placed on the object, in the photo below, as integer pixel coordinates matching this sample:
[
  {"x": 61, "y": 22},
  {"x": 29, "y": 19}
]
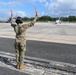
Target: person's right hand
[{"x": 36, "y": 11}]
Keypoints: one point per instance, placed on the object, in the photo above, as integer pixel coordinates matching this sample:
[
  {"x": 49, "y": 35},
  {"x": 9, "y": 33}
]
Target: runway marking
[{"x": 8, "y": 60}]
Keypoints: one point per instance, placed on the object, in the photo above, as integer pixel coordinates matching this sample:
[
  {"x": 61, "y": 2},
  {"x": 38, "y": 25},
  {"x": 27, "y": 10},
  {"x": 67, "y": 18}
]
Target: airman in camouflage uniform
[{"x": 20, "y": 41}]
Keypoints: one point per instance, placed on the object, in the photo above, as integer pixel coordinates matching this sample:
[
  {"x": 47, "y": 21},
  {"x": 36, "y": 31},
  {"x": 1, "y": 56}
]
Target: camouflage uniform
[{"x": 20, "y": 41}]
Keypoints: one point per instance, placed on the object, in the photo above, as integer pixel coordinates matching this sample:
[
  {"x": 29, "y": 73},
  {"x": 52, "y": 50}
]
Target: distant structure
[{"x": 58, "y": 21}]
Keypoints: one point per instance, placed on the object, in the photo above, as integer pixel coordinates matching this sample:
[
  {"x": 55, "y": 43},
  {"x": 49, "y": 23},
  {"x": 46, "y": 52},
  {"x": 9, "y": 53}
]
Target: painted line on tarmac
[
  {"x": 5, "y": 58},
  {"x": 8, "y": 60}
]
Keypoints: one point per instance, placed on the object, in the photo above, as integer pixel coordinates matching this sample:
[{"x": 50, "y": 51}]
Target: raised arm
[
  {"x": 12, "y": 24},
  {"x": 32, "y": 23}
]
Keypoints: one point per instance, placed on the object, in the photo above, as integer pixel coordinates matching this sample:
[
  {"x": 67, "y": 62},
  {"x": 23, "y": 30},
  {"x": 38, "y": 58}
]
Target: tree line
[{"x": 49, "y": 18}]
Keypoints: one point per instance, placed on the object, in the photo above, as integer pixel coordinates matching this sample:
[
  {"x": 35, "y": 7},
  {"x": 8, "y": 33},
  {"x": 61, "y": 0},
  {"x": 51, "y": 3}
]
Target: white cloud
[
  {"x": 11, "y": 3},
  {"x": 61, "y": 7},
  {"x": 53, "y": 7},
  {"x": 5, "y": 16},
  {"x": 42, "y": 14},
  {"x": 21, "y": 13},
  {"x": 46, "y": 4},
  {"x": 33, "y": 0},
  {"x": 18, "y": 13},
  {"x": 42, "y": 1}
]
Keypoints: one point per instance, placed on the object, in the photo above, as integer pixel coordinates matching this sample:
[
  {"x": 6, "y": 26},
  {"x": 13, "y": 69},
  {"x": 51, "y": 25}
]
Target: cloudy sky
[{"x": 54, "y": 8}]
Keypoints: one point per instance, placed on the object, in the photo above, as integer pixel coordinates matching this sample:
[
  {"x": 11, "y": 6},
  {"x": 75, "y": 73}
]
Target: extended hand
[
  {"x": 11, "y": 14},
  {"x": 36, "y": 11}
]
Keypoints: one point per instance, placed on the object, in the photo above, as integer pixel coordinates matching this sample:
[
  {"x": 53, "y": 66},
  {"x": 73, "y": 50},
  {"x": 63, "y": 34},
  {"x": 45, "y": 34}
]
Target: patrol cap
[{"x": 19, "y": 20}]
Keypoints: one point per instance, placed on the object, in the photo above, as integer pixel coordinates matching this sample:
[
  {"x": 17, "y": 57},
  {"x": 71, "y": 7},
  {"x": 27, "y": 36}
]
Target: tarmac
[{"x": 50, "y": 32}]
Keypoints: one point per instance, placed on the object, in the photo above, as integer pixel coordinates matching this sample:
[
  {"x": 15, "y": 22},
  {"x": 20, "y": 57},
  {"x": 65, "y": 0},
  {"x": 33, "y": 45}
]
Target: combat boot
[
  {"x": 22, "y": 66},
  {"x": 18, "y": 65}
]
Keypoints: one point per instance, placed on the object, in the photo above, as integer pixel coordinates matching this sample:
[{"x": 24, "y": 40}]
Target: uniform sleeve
[
  {"x": 30, "y": 24},
  {"x": 12, "y": 24}
]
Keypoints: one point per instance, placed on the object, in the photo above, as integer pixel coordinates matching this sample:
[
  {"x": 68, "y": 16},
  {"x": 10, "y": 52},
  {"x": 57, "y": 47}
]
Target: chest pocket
[{"x": 18, "y": 30}]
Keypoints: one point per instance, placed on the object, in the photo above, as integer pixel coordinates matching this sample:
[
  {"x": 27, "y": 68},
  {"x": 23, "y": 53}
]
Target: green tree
[
  {"x": 26, "y": 19},
  {"x": 72, "y": 18}
]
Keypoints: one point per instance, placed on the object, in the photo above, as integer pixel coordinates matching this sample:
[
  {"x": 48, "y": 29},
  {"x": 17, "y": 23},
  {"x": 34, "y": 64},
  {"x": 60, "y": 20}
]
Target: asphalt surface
[
  {"x": 6, "y": 71},
  {"x": 46, "y": 50}
]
